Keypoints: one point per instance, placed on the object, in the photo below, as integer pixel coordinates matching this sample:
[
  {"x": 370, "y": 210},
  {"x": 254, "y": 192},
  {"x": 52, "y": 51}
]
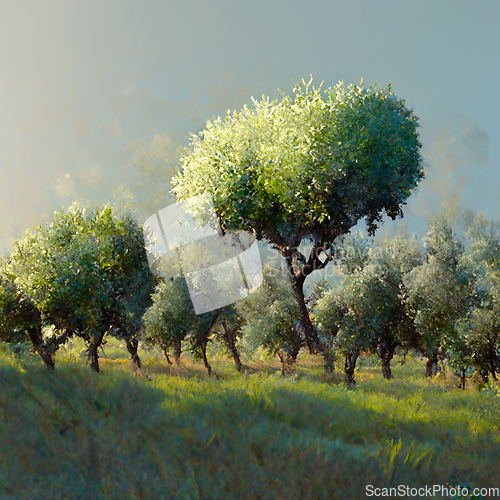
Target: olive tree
[
  {"x": 87, "y": 274},
  {"x": 441, "y": 292},
  {"x": 379, "y": 297},
  {"x": 20, "y": 321},
  {"x": 171, "y": 319},
  {"x": 271, "y": 320},
  {"x": 307, "y": 169},
  {"x": 369, "y": 311},
  {"x": 331, "y": 311},
  {"x": 477, "y": 344}
]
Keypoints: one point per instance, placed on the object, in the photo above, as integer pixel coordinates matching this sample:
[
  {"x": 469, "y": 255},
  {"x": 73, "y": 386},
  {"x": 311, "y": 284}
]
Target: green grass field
[{"x": 174, "y": 433}]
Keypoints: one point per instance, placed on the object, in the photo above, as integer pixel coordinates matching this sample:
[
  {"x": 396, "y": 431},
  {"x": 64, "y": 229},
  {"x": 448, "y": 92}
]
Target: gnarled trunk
[
  {"x": 229, "y": 336},
  {"x": 203, "y": 347},
  {"x": 35, "y": 335},
  {"x": 93, "y": 347},
  {"x": 431, "y": 365},
  {"x": 312, "y": 340},
  {"x": 132, "y": 345},
  {"x": 177, "y": 349},
  {"x": 386, "y": 353},
  {"x": 350, "y": 365}
]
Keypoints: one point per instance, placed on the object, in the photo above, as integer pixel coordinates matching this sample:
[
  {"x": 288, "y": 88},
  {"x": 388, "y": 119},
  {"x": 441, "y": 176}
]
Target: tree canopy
[{"x": 87, "y": 274}]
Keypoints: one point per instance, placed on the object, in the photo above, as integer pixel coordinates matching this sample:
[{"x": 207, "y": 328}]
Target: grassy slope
[{"x": 80, "y": 435}]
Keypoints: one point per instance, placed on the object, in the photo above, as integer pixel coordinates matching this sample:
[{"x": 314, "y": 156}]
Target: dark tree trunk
[
  {"x": 93, "y": 348},
  {"x": 288, "y": 359},
  {"x": 203, "y": 347},
  {"x": 491, "y": 356},
  {"x": 431, "y": 365},
  {"x": 176, "y": 347},
  {"x": 94, "y": 357},
  {"x": 165, "y": 353},
  {"x": 204, "y": 341},
  {"x": 35, "y": 335},
  {"x": 229, "y": 335},
  {"x": 310, "y": 336},
  {"x": 350, "y": 365},
  {"x": 132, "y": 345},
  {"x": 313, "y": 342},
  {"x": 386, "y": 353},
  {"x": 462, "y": 379}
]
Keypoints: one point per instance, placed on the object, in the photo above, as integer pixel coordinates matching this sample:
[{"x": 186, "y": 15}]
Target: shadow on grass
[{"x": 75, "y": 434}]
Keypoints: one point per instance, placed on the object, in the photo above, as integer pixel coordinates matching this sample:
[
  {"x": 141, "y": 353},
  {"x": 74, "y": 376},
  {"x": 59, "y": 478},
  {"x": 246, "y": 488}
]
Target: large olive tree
[{"x": 307, "y": 168}]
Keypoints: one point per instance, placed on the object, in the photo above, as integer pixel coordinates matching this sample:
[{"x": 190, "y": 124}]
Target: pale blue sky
[{"x": 85, "y": 85}]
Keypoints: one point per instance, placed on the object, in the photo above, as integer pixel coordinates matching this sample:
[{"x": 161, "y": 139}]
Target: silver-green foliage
[{"x": 271, "y": 316}]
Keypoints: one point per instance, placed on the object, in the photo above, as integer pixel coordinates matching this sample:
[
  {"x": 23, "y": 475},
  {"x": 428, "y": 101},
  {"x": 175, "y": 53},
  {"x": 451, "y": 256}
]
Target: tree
[
  {"x": 171, "y": 319},
  {"x": 307, "y": 169},
  {"x": 87, "y": 274},
  {"x": 440, "y": 292},
  {"x": 331, "y": 311},
  {"x": 228, "y": 332},
  {"x": 478, "y": 342},
  {"x": 271, "y": 320},
  {"x": 369, "y": 311},
  {"x": 20, "y": 321},
  {"x": 379, "y": 296}
]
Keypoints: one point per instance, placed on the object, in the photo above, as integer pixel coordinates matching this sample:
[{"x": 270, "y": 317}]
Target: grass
[{"x": 174, "y": 433}]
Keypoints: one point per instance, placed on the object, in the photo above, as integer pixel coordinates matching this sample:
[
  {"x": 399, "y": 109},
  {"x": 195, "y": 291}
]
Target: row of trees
[
  {"x": 86, "y": 275},
  {"x": 441, "y": 300}
]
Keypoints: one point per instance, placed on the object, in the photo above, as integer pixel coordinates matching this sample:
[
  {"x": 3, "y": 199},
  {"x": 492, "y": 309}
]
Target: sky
[{"x": 96, "y": 97}]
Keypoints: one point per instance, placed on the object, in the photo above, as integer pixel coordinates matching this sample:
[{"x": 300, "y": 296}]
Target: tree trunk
[
  {"x": 204, "y": 341},
  {"x": 313, "y": 342},
  {"x": 492, "y": 360},
  {"x": 386, "y": 353},
  {"x": 462, "y": 379},
  {"x": 94, "y": 357},
  {"x": 431, "y": 365},
  {"x": 177, "y": 345},
  {"x": 132, "y": 345},
  {"x": 350, "y": 365},
  {"x": 329, "y": 357},
  {"x": 35, "y": 335},
  {"x": 229, "y": 336},
  {"x": 165, "y": 353},
  {"x": 310, "y": 336},
  {"x": 203, "y": 347},
  {"x": 288, "y": 359},
  {"x": 93, "y": 347}
]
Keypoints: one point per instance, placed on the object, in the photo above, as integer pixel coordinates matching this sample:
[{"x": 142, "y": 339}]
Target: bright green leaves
[
  {"x": 318, "y": 158},
  {"x": 83, "y": 269}
]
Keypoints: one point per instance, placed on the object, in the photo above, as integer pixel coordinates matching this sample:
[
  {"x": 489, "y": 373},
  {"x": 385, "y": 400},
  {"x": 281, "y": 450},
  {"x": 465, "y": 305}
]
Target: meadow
[{"x": 175, "y": 433}]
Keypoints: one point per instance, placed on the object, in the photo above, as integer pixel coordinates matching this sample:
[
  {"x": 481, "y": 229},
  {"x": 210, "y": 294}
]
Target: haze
[{"x": 96, "y": 97}]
